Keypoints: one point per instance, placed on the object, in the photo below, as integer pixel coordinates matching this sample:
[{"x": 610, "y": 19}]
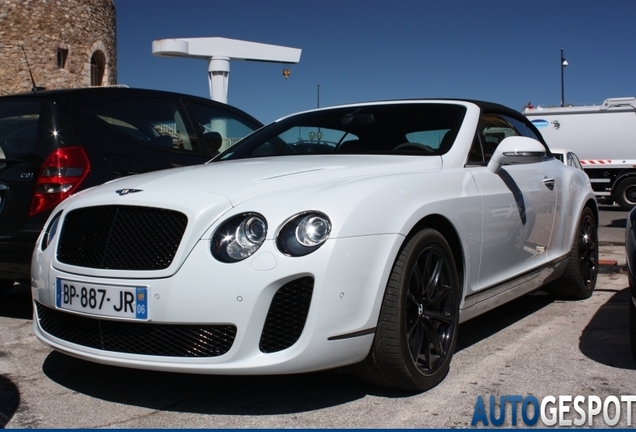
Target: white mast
[{"x": 218, "y": 52}]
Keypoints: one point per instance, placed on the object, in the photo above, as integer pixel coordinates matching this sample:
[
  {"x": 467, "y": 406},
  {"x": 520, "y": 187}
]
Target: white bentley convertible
[{"x": 354, "y": 235}]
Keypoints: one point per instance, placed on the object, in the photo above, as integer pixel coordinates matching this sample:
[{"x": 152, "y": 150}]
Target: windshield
[{"x": 404, "y": 128}]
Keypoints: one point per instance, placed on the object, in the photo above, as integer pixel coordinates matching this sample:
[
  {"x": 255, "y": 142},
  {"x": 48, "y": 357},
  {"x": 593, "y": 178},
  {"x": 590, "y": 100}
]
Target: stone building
[{"x": 65, "y": 43}]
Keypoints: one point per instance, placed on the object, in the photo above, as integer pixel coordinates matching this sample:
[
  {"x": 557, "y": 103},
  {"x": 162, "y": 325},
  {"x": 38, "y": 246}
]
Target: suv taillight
[{"x": 63, "y": 171}]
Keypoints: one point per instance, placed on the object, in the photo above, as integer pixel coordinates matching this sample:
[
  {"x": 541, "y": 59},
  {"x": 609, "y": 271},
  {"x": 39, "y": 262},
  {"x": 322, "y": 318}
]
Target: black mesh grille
[
  {"x": 138, "y": 338},
  {"x": 121, "y": 237},
  {"x": 287, "y": 314}
]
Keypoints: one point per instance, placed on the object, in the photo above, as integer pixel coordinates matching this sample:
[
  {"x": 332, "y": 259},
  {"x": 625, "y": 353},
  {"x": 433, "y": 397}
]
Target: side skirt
[{"x": 497, "y": 295}]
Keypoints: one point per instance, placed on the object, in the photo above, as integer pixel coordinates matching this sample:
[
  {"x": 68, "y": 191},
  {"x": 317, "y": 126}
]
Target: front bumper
[{"x": 256, "y": 300}]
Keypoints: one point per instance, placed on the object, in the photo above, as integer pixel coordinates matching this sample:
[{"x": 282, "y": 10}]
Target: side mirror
[{"x": 516, "y": 150}]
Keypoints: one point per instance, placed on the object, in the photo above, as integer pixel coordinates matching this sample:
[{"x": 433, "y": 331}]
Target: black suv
[{"x": 55, "y": 143}]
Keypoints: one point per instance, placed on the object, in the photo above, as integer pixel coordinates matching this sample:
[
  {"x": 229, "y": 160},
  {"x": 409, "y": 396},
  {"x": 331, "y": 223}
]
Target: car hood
[
  {"x": 240, "y": 180},
  {"x": 280, "y": 186}
]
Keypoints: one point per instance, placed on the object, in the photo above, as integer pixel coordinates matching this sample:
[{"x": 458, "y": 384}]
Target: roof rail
[{"x": 616, "y": 102}]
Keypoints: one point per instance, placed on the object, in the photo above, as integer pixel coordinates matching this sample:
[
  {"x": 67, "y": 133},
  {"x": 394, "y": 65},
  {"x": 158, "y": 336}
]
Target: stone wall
[{"x": 60, "y": 39}]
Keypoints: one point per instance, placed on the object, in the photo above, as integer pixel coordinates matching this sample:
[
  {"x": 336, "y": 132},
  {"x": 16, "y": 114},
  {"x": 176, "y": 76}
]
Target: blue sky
[{"x": 504, "y": 51}]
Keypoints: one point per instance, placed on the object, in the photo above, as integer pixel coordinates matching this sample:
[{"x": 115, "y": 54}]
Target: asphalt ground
[{"x": 535, "y": 346}]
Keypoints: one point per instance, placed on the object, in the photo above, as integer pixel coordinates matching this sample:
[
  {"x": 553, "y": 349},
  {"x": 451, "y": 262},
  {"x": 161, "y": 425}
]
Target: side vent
[{"x": 287, "y": 315}]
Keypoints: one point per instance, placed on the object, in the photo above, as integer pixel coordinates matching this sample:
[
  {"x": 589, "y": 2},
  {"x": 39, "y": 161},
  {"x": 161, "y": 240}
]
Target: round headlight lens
[
  {"x": 312, "y": 230},
  {"x": 251, "y": 231},
  {"x": 303, "y": 233},
  {"x": 239, "y": 237}
]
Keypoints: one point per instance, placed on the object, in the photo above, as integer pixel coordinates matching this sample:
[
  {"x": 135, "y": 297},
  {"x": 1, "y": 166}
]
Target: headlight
[
  {"x": 304, "y": 233},
  {"x": 239, "y": 237},
  {"x": 50, "y": 231}
]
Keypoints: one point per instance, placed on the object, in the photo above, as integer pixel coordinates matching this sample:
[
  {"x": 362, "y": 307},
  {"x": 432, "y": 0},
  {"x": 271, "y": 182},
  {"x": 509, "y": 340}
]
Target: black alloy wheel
[
  {"x": 588, "y": 251},
  {"x": 417, "y": 330},
  {"x": 579, "y": 279}
]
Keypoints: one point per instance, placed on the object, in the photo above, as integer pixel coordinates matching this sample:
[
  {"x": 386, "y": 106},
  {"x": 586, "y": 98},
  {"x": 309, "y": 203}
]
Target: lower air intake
[
  {"x": 168, "y": 340},
  {"x": 287, "y": 315}
]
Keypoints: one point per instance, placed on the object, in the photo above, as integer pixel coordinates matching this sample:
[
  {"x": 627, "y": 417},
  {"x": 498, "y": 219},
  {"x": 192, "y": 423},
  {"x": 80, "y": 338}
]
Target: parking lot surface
[{"x": 534, "y": 346}]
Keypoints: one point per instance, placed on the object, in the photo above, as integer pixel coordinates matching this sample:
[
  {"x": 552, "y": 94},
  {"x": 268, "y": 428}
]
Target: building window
[
  {"x": 62, "y": 56},
  {"x": 98, "y": 64}
]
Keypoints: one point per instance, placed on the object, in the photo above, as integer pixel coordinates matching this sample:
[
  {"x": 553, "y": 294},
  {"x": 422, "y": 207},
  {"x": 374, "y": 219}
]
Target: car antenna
[{"x": 35, "y": 88}]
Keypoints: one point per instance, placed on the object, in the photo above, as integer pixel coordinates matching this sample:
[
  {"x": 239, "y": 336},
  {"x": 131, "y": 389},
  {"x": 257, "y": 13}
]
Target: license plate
[{"x": 104, "y": 300}]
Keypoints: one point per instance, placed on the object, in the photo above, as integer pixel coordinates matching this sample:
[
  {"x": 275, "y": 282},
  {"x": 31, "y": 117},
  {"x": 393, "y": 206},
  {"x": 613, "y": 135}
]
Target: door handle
[{"x": 549, "y": 183}]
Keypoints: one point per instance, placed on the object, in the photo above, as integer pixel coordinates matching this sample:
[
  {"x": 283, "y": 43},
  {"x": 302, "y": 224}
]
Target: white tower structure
[{"x": 218, "y": 52}]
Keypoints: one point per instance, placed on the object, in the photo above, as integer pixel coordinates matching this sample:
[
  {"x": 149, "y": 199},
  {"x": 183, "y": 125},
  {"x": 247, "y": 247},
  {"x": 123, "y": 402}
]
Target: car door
[{"x": 519, "y": 205}]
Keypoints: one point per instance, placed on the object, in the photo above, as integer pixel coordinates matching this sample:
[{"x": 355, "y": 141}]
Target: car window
[
  {"x": 431, "y": 138},
  {"x": 157, "y": 124},
  {"x": 417, "y": 130},
  {"x": 307, "y": 139},
  {"x": 492, "y": 129},
  {"x": 220, "y": 129},
  {"x": 18, "y": 127},
  {"x": 476, "y": 154},
  {"x": 310, "y": 139},
  {"x": 573, "y": 161}
]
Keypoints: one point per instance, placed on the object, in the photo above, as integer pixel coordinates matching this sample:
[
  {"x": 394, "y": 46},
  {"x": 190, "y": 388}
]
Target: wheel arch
[
  {"x": 386, "y": 363},
  {"x": 446, "y": 228},
  {"x": 593, "y": 205}
]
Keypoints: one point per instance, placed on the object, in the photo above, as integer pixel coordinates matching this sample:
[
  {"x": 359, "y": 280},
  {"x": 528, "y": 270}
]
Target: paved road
[
  {"x": 612, "y": 225},
  {"x": 535, "y": 346}
]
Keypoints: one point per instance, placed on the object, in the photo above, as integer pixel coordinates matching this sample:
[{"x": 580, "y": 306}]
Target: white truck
[{"x": 604, "y": 139}]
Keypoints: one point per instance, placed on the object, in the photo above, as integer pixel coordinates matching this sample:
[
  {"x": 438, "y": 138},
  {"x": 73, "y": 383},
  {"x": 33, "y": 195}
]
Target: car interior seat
[{"x": 214, "y": 140}]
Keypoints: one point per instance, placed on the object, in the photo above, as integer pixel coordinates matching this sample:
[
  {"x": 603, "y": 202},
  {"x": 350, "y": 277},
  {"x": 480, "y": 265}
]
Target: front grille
[
  {"x": 287, "y": 315},
  {"x": 169, "y": 340},
  {"x": 121, "y": 237}
]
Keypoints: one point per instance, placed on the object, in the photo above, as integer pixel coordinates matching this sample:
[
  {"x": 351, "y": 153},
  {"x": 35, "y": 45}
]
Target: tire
[
  {"x": 625, "y": 193},
  {"x": 417, "y": 328},
  {"x": 632, "y": 326},
  {"x": 579, "y": 279},
  {"x": 5, "y": 284},
  {"x": 632, "y": 312}
]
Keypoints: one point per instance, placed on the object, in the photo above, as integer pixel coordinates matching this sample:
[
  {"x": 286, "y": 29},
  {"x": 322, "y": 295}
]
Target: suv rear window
[
  {"x": 220, "y": 129},
  {"x": 158, "y": 124},
  {"x": 18, "y": 127}
]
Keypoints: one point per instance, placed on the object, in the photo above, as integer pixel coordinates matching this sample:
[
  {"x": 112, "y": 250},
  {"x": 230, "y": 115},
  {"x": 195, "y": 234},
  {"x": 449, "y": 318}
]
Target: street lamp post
[{"x": 564, "y": 63}]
